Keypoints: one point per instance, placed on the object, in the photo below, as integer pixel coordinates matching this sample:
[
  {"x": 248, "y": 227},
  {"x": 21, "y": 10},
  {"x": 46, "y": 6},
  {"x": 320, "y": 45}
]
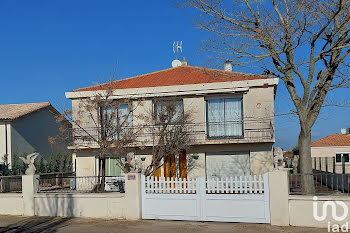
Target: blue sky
[{"x": 50, "y": 47}]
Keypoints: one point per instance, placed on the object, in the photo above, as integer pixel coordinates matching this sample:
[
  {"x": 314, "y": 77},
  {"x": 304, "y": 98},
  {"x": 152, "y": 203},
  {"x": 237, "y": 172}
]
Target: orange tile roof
[
  {"x": 288, "y": 155},
  {"x": 181, "y": 75},
  {"x": 333, "y": 140}
]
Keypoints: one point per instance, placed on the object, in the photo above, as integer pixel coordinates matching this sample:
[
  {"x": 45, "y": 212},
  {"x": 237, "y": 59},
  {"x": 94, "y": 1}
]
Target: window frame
[
  {"x": 207, "y": 122},
  {"x": 154, "y": 104},
  {"x": 342, "y": 154},
  {"x": 117, "y": 112},
  {"x": 129, "y": 126}
]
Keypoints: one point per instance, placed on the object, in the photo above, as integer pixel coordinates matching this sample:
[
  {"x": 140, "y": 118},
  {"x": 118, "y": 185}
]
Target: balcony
[{"x": 248, "y": 131}]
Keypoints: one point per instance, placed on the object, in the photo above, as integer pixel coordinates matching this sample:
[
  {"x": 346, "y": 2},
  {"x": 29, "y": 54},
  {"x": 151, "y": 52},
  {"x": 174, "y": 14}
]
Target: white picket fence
[
  {"x": 166, "y": 185},
  {"x": 233, "y": 199},
  {"x": 237, "y": 184}
]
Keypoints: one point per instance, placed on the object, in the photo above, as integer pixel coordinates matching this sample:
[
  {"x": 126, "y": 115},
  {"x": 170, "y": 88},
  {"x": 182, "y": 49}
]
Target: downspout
[
  {"x": 6, "y": 140},
  {"x": 6, "y": 157}
]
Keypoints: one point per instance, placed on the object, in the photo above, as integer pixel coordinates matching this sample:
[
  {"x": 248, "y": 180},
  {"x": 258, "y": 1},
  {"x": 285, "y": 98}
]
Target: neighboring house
[
  {"x": 288, "y": 159},
  {"x": 233, "y": 117},
  {"x": 25, "y": 128},
  {"x": 332, "y": 153}
]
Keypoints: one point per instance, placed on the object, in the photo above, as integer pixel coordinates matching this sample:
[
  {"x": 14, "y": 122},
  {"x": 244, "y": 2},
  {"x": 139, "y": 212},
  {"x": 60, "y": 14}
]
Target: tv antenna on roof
[{"x": 177, "y": 47}]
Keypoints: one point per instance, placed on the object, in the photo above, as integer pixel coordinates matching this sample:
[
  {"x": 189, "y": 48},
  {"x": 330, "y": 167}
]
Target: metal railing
[
  {"x": 198, "y": 132},
  {"x": 325, "y": 183},
  {"x": 10, "y": 184},
  {"x": 81, "y": 184}
]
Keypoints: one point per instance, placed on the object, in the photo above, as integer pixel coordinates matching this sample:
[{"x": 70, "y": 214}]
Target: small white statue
[
  {"x": 30, "y": 162},
  {"x": 278, "y": 158}
]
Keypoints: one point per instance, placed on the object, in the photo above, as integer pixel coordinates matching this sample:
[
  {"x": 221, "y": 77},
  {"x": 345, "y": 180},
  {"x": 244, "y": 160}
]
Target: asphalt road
[{"x": 81, "y": 225}]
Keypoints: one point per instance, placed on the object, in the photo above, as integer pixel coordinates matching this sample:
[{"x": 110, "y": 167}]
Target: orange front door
[
  {"x": 183, "y": 165},
  {"x": 157, "y": 172},
  {"x": 170, "y": 166}
]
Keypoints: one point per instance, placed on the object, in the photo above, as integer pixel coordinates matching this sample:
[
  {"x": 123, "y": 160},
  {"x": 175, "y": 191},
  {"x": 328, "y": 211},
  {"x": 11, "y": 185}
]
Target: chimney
[
  {"x": 345, "y": 131},
  {"x": 228, "y": 65},
  {"x": 184, "y": 62}
]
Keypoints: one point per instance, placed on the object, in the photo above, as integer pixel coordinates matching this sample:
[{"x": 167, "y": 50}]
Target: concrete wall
[
  {"x": 301, "y": 211},
  {"x": 258, "y": 103},
  {"x": 80, "y": 205},
  {"x": 298, "y": 210},
  {"x": 31, "y": 132},
  {"x": 11, "y": 204},
  {"x": 94, "y": 205}
]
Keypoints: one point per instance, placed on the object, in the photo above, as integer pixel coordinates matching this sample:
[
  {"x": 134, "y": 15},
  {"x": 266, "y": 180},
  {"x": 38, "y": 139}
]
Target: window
[
  {"x": 168, "y": 111},
  {"x": 123, "y": 116},
  {"x": 118, "y": 122},
  {"x": 224, "y": 118},
  {"x": 342, "y": 156},
  {"x": 112, "y": 167}
]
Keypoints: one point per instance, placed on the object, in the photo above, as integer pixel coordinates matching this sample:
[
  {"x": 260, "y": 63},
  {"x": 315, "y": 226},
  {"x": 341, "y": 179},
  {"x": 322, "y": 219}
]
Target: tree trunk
[
  {"x": 103, "y": 174},
  {"x": 304, "y": 144}
]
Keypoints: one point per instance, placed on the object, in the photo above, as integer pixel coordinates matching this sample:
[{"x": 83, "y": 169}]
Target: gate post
[
  {"x": 279, "y": 190},
  {"x": 30, "y": 186},
  {"x": 133, "y": 196},
  {"x": 200, "y": 196}
]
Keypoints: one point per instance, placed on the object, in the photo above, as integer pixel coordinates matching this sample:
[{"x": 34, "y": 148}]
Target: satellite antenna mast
[{"x": 177, "y": 47}]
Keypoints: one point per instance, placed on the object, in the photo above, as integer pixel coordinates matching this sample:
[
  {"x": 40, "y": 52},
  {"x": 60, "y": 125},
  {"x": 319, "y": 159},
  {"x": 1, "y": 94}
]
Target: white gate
[{"x": 235, "y": 199}]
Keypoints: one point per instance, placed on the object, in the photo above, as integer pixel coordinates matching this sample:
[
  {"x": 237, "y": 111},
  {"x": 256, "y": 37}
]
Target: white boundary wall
[
  {"x": 297, "y": 210},
  {"x": 11, "y": 204},
  {"x": 92, "y": 205},
  {"x": 238, "y": 199}
]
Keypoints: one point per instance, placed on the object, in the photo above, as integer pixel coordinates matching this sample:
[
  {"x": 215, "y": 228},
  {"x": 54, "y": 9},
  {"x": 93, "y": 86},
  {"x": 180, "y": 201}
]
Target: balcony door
[{"x": 224, "y": 118}]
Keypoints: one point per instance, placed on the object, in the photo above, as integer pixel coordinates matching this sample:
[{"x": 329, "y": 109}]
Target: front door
[{"x": 176, "y": 166}]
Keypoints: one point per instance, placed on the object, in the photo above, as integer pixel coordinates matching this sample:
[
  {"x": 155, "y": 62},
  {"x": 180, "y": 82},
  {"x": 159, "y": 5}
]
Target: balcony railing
[{"x": 199, "y": 133}]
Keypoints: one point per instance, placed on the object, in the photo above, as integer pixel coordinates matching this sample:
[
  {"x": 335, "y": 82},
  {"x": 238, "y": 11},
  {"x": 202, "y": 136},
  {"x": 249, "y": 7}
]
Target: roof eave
[{"x": 178, "y": 88}]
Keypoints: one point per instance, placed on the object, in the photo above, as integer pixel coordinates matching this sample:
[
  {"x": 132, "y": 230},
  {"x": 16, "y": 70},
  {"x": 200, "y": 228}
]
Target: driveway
[{"x": 81, "y": 225}]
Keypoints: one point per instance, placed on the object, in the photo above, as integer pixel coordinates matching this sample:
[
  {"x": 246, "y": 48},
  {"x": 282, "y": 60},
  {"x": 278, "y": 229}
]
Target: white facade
[{"x": 253, "y": 146}]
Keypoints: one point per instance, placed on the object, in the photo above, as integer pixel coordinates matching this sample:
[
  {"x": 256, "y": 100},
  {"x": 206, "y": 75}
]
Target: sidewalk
[{"x": 81, "y": 225}]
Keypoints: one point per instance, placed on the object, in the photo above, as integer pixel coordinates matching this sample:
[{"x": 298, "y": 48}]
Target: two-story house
[{"x": 233, "y": 117}]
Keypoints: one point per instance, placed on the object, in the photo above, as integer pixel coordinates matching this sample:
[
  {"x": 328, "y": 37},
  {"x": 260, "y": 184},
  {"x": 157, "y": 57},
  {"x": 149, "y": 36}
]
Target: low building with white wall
[
  {"x": 26, "y": 128},
  {"x": 332, "y": 153},
  {"x": 233, "y": 118}
]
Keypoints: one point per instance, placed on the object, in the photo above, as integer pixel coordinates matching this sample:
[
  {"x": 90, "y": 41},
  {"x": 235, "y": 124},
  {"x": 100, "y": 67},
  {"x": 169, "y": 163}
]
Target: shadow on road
[{"x": 36, "y": 224}]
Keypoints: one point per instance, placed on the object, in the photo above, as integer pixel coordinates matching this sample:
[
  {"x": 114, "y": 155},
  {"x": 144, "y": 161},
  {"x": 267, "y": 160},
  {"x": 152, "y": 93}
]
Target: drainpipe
[{"x": 6, "y": 140}]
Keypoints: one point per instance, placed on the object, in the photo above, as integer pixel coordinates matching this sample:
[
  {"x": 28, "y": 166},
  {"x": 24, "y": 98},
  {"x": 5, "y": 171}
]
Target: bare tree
[
  {"x": 305, "y": 43},
  {"x": 171, "y": 132},
  {"x": 105, "y": 124}
]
